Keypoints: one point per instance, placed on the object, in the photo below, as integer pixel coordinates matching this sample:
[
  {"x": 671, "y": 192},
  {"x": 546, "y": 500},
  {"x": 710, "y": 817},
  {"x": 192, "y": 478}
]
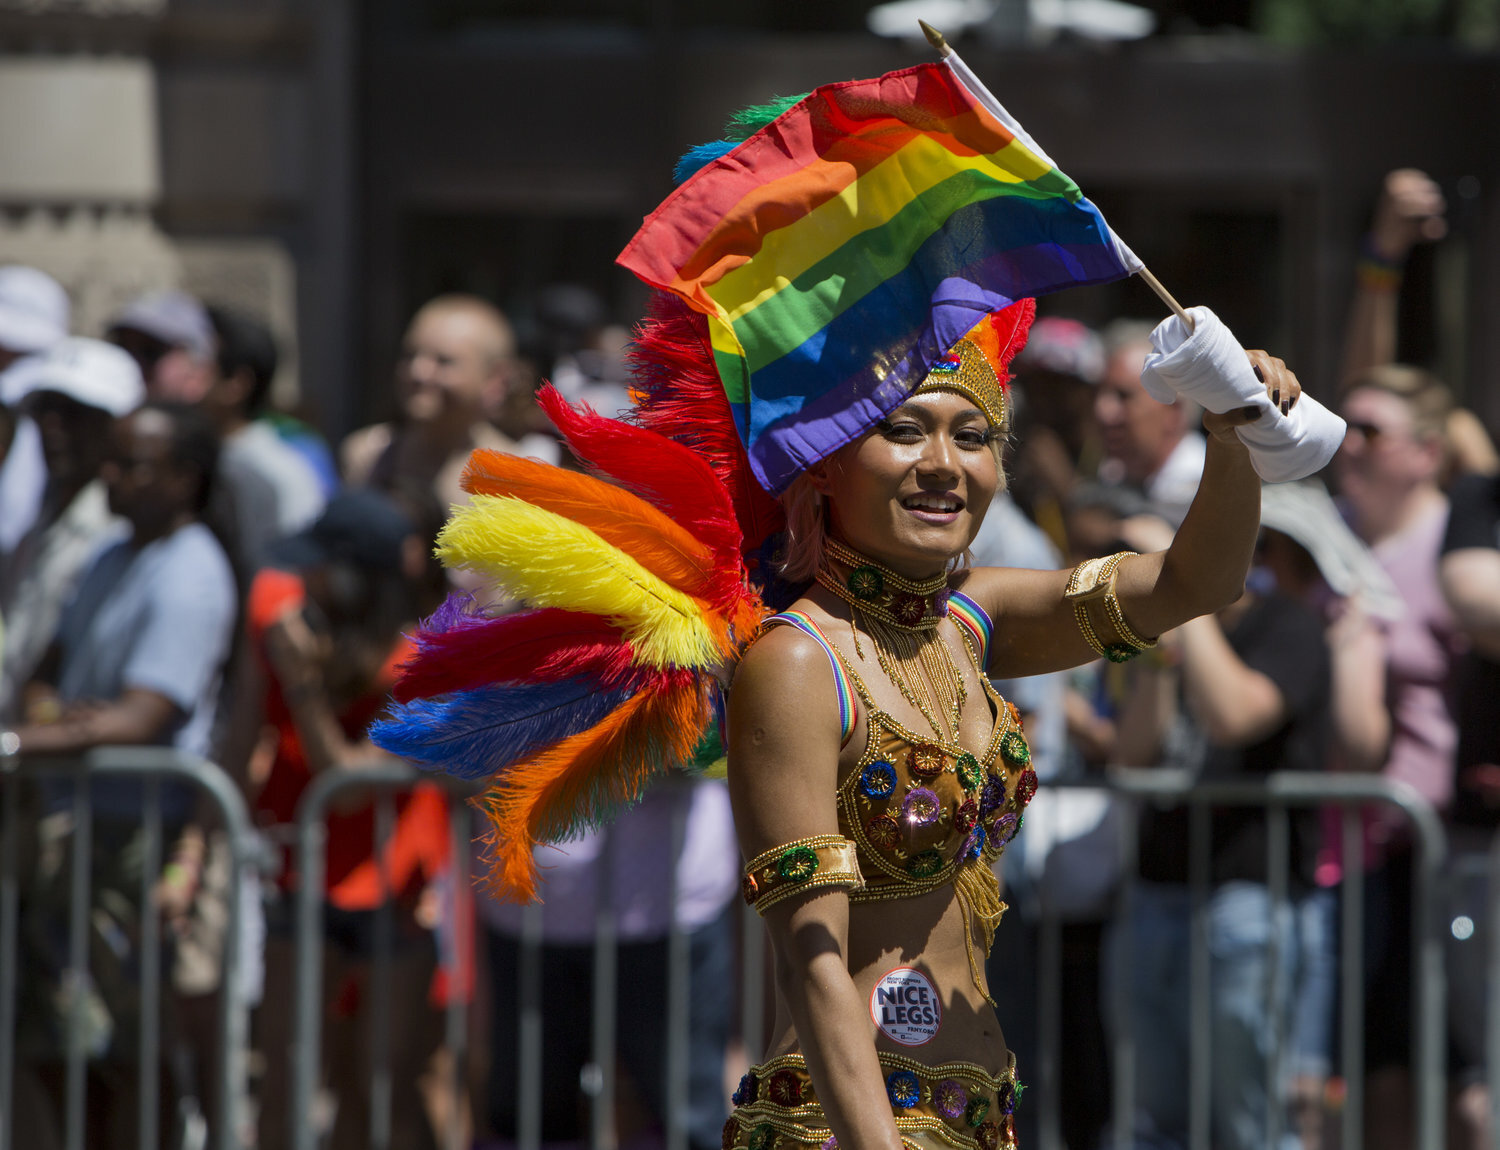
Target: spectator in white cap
[
  {"x": 34, "y": 315},
  {"x": 73, "y": 393},
  {"x": 33, "y": 312},
  {"x": 136, "y": 661},
  {"x": 169, "y": 335}
]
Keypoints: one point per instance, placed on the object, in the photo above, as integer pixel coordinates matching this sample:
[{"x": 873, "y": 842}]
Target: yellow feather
[{"x": 551, "y": 561}]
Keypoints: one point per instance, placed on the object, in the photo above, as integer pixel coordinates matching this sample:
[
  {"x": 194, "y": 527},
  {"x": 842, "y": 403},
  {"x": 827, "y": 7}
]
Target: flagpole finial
[{"x": 935, "y": 38}]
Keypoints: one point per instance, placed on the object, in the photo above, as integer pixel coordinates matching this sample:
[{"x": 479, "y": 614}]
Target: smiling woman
[
  {"x": 864, "y": 720},
  {"x": 834, "y": 471},
  {"x": 927, "y": 470}
]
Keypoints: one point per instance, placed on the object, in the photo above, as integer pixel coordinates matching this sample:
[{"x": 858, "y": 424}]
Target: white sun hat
[
  {"x": 1306, "y": 514},
  {"x": 34, "y": 309}
]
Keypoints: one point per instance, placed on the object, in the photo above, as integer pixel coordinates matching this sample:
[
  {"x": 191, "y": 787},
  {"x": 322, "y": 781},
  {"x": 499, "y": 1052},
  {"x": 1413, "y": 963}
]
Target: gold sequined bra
[{"x": 917, "y": 812}]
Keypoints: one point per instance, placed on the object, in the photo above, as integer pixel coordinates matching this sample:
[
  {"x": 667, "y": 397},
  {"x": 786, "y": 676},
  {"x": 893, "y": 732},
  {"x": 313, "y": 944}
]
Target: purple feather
[
  {"x": 474, "y": 734},
  {"x": 459, "y": 609}
]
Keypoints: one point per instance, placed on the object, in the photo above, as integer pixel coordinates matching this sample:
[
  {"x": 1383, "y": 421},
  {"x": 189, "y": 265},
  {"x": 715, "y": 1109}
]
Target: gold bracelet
[
  {"x": 1117, "y": 617},
  {"x": 800, "y": 865},
  {"x": 1093, "y": 581},
  {"x": 1080, "y": 613},
  {"x": 1081, "y": 616},
  {"x": 1098, "y": 572}
]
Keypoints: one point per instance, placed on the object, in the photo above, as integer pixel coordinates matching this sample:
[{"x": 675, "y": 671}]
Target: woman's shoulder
[
  {"x": 784, "y": 712},
  {"x": 789, "y": 666},
  {"x": 790, "y": 643}
]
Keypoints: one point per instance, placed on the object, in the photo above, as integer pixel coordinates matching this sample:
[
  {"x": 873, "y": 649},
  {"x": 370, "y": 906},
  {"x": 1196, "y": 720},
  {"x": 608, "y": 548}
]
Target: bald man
[
  {"x": 457, "y": 363},
  {"x": 1148, "y": 446}
]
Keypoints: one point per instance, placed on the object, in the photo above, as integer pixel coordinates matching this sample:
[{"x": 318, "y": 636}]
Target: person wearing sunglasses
[{"x": 1389, "y": 475}]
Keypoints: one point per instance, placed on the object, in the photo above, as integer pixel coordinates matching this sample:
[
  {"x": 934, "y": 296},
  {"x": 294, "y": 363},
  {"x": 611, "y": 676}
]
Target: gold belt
[{"x": 953, "y": 1106}]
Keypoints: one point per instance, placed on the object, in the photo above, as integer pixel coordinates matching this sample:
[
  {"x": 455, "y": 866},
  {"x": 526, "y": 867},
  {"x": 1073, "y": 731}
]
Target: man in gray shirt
[
  {"x": 143, "y": 640},
  {"x": 136, "y": 661}
]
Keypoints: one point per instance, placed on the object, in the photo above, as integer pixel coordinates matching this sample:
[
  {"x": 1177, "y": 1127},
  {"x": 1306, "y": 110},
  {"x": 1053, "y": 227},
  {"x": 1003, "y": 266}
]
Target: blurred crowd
[{"x": 183, "y": 565}]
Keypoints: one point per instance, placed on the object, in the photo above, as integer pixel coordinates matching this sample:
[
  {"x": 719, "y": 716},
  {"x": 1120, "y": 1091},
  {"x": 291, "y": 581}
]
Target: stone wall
[{"x": 145, "y": 145}]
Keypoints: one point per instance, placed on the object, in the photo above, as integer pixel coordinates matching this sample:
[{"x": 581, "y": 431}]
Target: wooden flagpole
[
  {"x": 939, "y": 42},
  {"x": 1166, "y": 297}
]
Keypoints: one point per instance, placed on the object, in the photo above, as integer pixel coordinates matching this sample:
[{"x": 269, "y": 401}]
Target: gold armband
[
  {"x": 804, "y": 864},
  {"x": 1091, "y": 590}
]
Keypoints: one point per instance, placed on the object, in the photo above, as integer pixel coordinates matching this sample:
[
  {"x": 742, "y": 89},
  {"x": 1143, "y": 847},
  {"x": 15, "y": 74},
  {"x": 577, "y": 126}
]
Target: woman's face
[
  {"x": 1383, "y": 456},
  {"x": 913, "y": 492}
]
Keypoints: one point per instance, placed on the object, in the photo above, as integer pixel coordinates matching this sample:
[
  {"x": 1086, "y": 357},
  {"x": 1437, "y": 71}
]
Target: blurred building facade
[{"x": 333, "y": 163}]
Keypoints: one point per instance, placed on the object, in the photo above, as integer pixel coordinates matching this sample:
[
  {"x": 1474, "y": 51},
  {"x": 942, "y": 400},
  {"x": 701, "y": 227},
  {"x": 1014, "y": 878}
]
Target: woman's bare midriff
[{"x": 967, "y": 1029}]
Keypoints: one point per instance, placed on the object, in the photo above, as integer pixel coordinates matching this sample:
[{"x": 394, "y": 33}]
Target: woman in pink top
[{"x": 1388, "y": 472}]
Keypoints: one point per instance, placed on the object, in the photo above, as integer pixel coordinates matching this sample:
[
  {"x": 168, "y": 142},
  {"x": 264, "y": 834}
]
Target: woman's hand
[{"x": 1282, "y": 389}]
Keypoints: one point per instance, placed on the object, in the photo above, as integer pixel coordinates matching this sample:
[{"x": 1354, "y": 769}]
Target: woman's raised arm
[{"x": 1201, "y": 571}]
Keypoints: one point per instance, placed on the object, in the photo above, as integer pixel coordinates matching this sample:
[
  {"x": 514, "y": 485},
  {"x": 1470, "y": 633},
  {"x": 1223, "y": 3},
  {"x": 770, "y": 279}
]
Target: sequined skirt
[{"x": 954, "y": 1106}]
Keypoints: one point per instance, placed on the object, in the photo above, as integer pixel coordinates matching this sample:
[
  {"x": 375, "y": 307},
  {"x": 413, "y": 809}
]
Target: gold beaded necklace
[{"x": 901, "y": 616}]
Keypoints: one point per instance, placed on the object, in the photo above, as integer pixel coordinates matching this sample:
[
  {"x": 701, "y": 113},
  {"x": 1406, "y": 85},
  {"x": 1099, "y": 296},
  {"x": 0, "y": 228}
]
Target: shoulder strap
[
  {"x": 972, "y": 618},
  {"x": 847, "y": 698}
]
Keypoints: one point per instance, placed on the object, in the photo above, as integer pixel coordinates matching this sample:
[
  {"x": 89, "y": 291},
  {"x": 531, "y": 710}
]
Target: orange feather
[
  {"x": 583, "y": 779},
  {"x": 617, "y": 516}
]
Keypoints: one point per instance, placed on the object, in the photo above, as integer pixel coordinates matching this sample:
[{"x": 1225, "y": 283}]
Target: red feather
[
  {"x": 1012, "y": 326},
  {"x": 678, "y": 393},
  {"x": 674, "y": 478},
  {"x": 545, "y": 645}
]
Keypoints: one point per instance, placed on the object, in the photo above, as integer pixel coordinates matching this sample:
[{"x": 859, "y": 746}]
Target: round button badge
[{"x": 905, "y": 1006}]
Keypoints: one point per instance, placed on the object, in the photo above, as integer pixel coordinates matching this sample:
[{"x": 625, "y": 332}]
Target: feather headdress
[
  {"x": 642, "y": 577},
  {"x": 637, "y": 594}
]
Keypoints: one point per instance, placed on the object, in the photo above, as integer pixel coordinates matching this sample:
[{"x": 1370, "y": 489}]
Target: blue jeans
[
  {"x": 1153, "y": 950},
  {"x": 1315, "y": 986}
]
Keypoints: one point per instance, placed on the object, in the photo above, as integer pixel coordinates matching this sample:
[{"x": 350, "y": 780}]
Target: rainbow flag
[{"x": 842, "y": 249}]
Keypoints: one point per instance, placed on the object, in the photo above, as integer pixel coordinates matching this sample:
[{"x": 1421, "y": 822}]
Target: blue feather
[
  {"x": 742, "y": 125},
  {"x": 474, "y": 734},
  {"x": 700, "y": 156}
]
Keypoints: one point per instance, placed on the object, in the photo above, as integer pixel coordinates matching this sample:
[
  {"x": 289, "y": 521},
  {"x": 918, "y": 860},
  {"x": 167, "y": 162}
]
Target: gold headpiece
[
  {"x": 968, "y": 371},
  {"x": 978, "y": 365}
]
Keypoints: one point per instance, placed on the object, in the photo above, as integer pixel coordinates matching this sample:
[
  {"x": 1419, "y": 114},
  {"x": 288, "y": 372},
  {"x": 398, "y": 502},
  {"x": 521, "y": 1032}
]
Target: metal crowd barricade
[
  {"x": 311, "y": 827},
  {"x": 153, "y": 765},
  {"x": 598, "y": 1076},
  {"x": 1276, "y": 793}
]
